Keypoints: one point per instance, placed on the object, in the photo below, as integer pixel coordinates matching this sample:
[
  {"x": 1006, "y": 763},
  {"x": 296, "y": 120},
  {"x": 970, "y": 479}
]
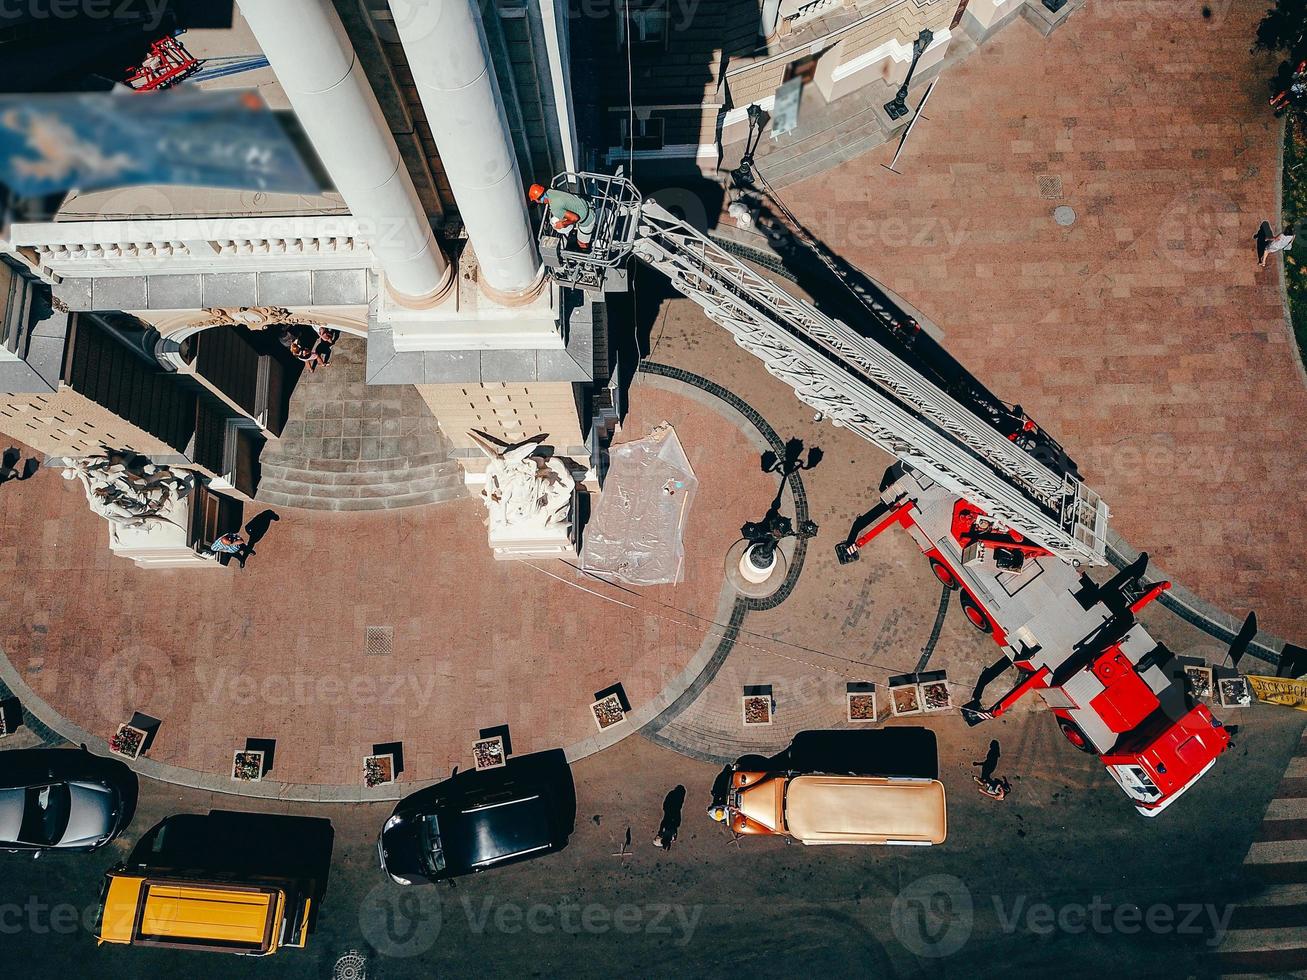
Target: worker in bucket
[{"x": 567, "y": 211}]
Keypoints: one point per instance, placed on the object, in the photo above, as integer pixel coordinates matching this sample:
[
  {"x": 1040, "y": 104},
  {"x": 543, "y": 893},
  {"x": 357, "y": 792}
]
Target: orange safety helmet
[{"x": 536, "y": 192}]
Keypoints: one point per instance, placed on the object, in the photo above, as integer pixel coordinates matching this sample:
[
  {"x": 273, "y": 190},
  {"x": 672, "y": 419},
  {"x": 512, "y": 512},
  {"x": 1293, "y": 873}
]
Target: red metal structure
[
  {"x": 167, "y": 64},
  {"x": 1116, "y": 692}
]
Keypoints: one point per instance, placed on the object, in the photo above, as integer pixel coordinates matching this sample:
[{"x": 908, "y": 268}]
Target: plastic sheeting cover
[{"x": 635, "y": 533}]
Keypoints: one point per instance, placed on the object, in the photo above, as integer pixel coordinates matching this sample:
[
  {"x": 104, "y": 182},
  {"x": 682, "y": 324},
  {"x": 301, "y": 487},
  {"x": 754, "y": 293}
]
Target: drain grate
[
  {"x": 1050, "y": 186},
  {"x": 378, "y": 641},
  {"x": 351, "y": 966}
]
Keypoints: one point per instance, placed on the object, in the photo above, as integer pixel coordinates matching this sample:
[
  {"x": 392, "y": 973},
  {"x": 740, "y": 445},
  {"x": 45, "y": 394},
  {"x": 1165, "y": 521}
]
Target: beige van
[{"x": 819, "y": 809}]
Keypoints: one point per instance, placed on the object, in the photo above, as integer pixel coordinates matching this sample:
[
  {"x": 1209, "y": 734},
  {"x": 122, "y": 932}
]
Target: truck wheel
[
  {"x": 975, "y": 615},
  {"x": 1075, "y": 736},
  {"x": 944, "y": 574}
]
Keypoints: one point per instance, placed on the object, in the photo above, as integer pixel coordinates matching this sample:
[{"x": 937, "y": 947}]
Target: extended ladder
[{"x": 853, "y": 381}]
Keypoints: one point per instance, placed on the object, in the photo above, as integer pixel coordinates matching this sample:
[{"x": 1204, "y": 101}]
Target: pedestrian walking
[
  {"x": 671, "y": 822},
  {"x": 1268, "y": 242}
]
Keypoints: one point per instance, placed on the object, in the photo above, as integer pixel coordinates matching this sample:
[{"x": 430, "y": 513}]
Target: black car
[
  {"x": 62, "y": 799},
  {"x": 475, "y": 821}
]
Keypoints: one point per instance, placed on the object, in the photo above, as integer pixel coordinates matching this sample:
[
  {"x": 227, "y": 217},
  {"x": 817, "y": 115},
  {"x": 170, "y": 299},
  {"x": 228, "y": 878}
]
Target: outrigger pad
[
  {"x": 973, "y": 714},
  {"x": 847, "y": 553}
]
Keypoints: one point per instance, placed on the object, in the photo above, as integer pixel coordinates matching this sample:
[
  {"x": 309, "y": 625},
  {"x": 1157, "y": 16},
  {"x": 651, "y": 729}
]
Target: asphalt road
[{"x": 1061, "y": 875}]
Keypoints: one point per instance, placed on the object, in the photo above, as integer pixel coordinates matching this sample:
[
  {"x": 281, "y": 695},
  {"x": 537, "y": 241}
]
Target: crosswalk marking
[
  {"x": 1286, "y": 809},
  {"x": 1267, "y": 934}
]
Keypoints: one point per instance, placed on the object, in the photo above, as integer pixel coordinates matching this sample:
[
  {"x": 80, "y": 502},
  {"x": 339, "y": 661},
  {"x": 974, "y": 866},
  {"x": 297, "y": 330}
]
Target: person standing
[
  {"x": 567, "y": 211},
  {"x": 1269, "y": 242}
]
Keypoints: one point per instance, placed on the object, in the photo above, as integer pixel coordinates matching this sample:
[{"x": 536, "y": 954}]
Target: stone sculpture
[
  {"x": 524, "y": 492},
  {"x": 128, "y": 490}
]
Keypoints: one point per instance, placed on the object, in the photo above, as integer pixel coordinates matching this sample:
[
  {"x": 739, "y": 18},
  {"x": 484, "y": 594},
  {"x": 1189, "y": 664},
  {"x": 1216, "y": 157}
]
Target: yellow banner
[{"x": 1280, "y": 690}]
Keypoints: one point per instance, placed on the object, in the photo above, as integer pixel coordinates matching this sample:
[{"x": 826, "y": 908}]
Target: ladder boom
[{"x": 855, "y": 382}]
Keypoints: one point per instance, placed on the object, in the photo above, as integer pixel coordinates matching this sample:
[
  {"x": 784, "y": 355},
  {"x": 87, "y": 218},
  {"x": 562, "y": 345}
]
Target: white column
[
  {"x": 306, "y": 44},
  {"x": 448, "y": 55}
]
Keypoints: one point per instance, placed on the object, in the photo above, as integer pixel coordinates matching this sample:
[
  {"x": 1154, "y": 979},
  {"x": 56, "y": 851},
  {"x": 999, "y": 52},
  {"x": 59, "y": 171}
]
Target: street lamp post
[
  {"x": 897, "y": 108},
  {"x": 743, "y": 174}
]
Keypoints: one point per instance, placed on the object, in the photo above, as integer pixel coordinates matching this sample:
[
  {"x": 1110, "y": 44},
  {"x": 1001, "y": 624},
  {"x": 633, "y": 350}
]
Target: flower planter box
[
  {"x": 378, "y": 770},
  {"x": 1198, "y": 680},
  {"x": 128, "y": 741},
  {"x": 861, "y": 707},
  {"x": 1234, "y": 692},
  {"x": 935, "y": 696},
  {"x": 905, "y": 700},
  {"x": 488, "y": 753},
  {"x": 608, "y": 711},
  {"x": 756, "y": 709},
  {"x": 247, "y": 766}
]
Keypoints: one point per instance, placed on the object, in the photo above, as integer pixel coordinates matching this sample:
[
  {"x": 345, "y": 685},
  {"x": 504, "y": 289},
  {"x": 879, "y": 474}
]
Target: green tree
[{"x": 1283, "y": 31}]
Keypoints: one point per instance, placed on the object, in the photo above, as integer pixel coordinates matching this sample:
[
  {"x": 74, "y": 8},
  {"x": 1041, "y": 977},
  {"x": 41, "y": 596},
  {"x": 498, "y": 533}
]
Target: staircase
[
  {"x": 348, "y": 446},
  {"x": 380, "y": 484}
]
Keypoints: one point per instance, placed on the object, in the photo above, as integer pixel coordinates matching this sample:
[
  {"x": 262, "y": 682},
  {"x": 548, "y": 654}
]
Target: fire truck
[
  {"x": 1115, "y": 691},
  {"x": 995, "y": 504}
]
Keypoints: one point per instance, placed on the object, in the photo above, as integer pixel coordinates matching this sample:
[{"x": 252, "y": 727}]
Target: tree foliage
[{"x": 1283, "y": 31}]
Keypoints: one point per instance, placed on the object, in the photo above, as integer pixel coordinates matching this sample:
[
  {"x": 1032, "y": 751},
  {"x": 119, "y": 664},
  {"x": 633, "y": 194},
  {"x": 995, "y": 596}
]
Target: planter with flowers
[
  {"x": 378, "y": 770},
  {"x": 247, "y": 766},
  {"x": 128, "y": 741}
]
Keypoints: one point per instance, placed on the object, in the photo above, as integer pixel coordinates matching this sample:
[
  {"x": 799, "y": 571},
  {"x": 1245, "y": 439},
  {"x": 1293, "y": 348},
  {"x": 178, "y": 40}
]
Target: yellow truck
[{"x": 185, "y": 910}]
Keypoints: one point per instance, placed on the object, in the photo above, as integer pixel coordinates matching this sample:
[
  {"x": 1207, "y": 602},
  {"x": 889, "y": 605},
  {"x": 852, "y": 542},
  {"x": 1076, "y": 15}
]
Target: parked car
[
  {"x": 473, "y": 822},
  {"x": 61, "y": 799},
  {"x": 825, "y": 809}
]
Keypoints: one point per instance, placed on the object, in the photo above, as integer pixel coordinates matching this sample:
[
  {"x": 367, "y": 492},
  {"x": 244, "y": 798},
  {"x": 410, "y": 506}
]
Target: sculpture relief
[
  {"x": 524, "y": 492},
  {"x": 129, "y": 491},
  {"x": 254, "y": 317}
]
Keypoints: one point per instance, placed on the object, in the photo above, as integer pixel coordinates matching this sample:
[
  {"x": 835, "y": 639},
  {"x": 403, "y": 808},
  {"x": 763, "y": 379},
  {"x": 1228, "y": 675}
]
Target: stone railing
[{"x": 130, "y": 248}]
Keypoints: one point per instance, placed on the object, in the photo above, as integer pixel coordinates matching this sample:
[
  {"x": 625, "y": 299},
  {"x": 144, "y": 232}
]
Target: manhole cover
[
  {"x": 378, "y": 641},
  {"x": 1050, "y": 187},
  {"x": 351, "y": 966},
  {"x": 1064, "y": 215}
]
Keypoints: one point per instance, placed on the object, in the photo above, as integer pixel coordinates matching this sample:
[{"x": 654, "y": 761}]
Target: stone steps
[{"x": 364, "y": 485}]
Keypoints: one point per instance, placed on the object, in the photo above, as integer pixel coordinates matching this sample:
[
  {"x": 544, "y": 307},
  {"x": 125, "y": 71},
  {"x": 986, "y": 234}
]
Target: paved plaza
[
  {"x": 277, "y": 651},
  {"x": 1143, "y": 335}
]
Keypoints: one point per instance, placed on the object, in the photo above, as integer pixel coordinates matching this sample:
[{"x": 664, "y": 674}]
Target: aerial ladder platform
[{"x": 1010, "y": 533}]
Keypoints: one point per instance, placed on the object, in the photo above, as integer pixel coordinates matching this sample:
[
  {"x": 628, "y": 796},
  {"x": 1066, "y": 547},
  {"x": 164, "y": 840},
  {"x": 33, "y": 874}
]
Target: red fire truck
[{"x": 1116, "y": 692}]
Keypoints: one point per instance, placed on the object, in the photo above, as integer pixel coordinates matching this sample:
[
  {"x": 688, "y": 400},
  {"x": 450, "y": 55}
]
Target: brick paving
[
  {"x": 277, "y": 651},
  {"x": 1143, "y": 335}
]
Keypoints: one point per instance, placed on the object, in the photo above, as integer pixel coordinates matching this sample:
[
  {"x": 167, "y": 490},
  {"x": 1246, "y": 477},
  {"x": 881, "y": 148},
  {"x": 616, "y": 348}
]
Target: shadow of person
[
  {"x": 990, "y": 762},
  {"x": 255, "y": 531},
  {"x": 30, "y": 466},
  {"x": 673, "y": 802},
  {"x": 259, "y": 524}
]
